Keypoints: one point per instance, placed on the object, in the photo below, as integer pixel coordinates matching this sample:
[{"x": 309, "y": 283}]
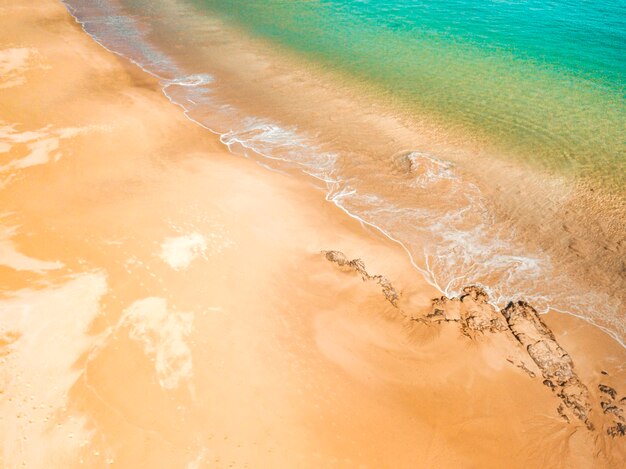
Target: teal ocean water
[
  {"x": 532, "y": 93},
  {"x": 545, "y": 78}
]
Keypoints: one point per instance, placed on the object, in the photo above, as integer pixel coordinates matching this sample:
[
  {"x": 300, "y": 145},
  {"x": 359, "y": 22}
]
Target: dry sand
[{"x": 165, "y": 303}]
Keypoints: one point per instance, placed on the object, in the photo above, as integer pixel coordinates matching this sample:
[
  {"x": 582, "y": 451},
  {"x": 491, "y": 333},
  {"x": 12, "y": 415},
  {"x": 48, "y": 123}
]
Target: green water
[{"x": 541, "y": 80}]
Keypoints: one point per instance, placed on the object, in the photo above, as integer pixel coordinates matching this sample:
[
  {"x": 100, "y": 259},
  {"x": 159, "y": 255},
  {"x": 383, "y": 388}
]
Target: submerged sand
[{"x": 167, "y": 304}]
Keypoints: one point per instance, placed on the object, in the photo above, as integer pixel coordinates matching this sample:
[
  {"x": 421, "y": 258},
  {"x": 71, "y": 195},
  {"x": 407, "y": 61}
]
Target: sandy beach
[{"x": 166, "y": 303}]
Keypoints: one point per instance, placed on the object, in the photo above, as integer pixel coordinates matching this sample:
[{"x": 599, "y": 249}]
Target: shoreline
[
  {"x": 169, "y": 304},
  {"x": 428, "y": 275}
]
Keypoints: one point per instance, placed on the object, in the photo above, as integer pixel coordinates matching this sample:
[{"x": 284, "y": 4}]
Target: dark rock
[
  {"x": 522, "y": 366},
  {"x": 607, "y": 390},
  {"x": 549, "y": 383},
  {"x": 555, "y": 364},
  {"x": 390, "y": 293},
  {"x": 619, "y": 429},
  {"x": 471, "y": 310},
  {"x": 609, "y": 408},
  {"x": 358, "y": 266}
]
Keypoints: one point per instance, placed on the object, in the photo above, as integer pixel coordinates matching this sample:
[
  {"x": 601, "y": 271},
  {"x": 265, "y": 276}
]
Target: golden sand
[{"x": 166, "y": 304}]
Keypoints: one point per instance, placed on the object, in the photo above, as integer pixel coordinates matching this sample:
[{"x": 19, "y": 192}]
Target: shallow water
[
  {"x": 463, "y": 130},
  {"x": 542, "y": 80}
]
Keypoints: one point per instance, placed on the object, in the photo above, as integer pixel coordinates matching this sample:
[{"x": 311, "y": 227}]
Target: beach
[
  {"x": 169, "y": 303},
  {"x": 512, "y": 194}
]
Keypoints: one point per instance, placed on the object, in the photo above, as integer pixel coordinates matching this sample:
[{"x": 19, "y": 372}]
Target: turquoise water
[
  {"x": 587, "y": 36},
  {"x": 542, "y": 80}
]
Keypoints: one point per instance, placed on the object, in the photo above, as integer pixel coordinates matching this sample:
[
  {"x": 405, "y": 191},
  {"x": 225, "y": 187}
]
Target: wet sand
[{"x": 166, "y": 304}]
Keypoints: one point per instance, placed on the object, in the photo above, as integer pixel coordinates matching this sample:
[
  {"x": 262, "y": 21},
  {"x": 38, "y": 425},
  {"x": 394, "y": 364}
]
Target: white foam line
[
  {"x": 321, "y": 178},
  {"x": 232, "y": 140},
  {"x": 269, "y": 168},
  {"x": 70, "y": 10},
  {"x": 426, "y": 273},
  {"x": 165, "y": 82}
]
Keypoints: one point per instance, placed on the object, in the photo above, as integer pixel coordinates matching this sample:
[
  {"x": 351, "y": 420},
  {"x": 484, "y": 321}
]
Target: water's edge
[{"x": 243, "y": 148}]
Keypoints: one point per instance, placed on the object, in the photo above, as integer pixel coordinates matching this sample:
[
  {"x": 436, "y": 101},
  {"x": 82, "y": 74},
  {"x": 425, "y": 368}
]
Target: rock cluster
[
  {"x": 613, "y": 407},
  {"x": 555, "y": 363},
  {"x": 358, "y": 266},
  {"x": 537, "y": 345},
  {"x": 471, "y": 310}
]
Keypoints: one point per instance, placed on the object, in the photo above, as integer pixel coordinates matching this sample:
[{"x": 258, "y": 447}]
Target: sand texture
[{"x": 165, "y": 303}]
